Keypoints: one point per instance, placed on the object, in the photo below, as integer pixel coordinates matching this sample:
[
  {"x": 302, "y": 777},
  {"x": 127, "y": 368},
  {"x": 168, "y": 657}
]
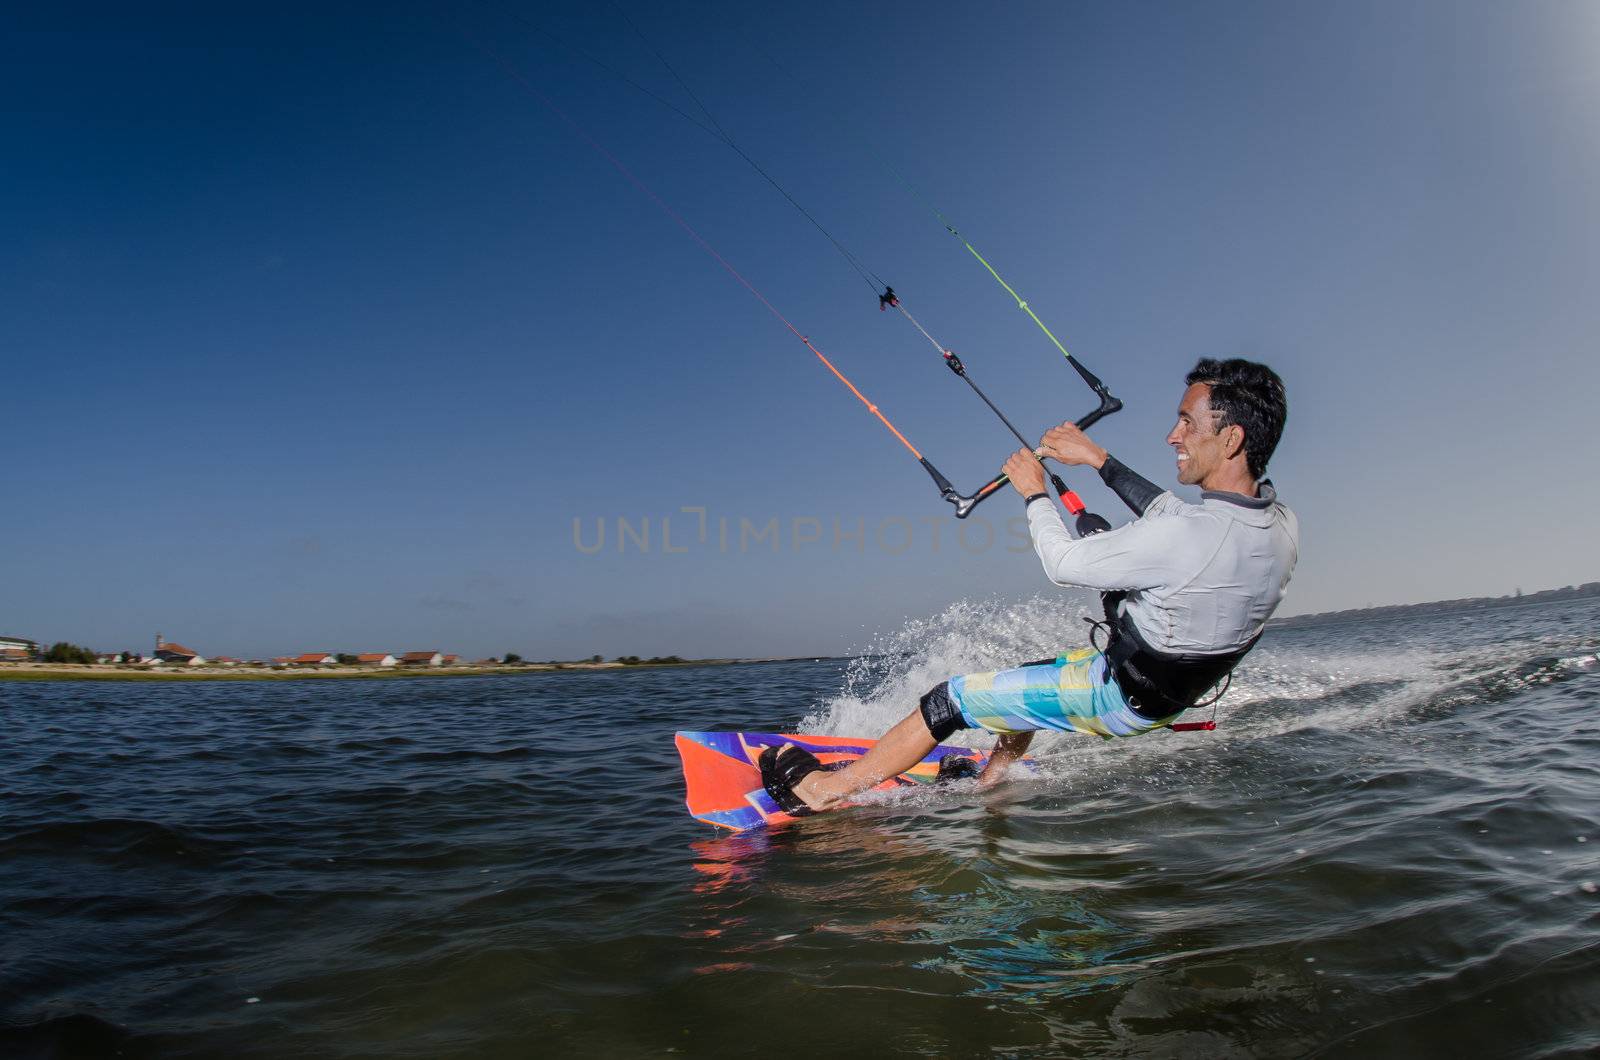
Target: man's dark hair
[{"x": 1250, "y": 395}]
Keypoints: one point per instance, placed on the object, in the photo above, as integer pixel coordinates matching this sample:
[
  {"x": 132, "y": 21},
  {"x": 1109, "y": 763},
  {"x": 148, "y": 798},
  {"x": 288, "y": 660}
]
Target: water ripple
[{"x": 1390, "y": 840}]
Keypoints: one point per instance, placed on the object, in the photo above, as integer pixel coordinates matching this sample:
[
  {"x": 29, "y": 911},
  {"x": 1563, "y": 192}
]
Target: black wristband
[
  {"x": 1030, "y": 498},
  {"x": 1135, "y": 490}
]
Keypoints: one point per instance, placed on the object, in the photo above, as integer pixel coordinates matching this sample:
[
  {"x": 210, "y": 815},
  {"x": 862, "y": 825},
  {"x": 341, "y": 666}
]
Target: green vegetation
[
  {"x": 346, "y": 659},
  {"x": 511, "y": 658},
  {"x": 659, "y": 660},
  {"x": 62, "y": 652}
]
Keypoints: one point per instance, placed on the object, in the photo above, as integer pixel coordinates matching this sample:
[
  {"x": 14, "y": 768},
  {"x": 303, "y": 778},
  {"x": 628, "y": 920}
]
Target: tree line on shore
[{"x": 64, "y": 652}]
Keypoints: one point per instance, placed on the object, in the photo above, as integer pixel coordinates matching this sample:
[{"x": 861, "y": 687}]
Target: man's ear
[{"x": 1234, "y": 448}]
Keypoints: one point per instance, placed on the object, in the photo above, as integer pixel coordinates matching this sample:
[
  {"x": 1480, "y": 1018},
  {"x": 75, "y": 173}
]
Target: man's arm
[
  {"x": 1136, "y": 556},
  {"x": 1069, "y": 445},
  {"x": 1010, "y": 747}
]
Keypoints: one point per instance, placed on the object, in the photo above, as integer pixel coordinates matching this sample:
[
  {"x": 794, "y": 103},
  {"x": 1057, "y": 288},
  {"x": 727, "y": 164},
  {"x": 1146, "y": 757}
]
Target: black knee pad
[{"x": 940, "y": 713}]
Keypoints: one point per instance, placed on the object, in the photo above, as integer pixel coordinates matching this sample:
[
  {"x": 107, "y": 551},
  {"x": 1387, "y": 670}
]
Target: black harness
[{"x": 1160, "y": 684}]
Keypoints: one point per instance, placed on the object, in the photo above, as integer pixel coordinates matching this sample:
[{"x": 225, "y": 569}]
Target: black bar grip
[
  {"x": 964, "y": 505},
  {"x": 1108, "y": 405}
]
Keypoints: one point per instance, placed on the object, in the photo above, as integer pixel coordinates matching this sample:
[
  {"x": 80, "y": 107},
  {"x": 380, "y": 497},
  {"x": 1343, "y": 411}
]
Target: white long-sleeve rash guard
[{"x": 1201, "y": 578}]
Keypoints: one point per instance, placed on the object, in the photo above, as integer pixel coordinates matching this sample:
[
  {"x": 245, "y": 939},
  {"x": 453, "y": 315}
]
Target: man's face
[{"x": 1201, "y": 448}]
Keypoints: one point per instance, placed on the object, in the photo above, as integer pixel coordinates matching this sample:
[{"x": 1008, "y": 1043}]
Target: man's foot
[
  {"x": 785, "y": 772},
  {"x": 955, "y": 767}
]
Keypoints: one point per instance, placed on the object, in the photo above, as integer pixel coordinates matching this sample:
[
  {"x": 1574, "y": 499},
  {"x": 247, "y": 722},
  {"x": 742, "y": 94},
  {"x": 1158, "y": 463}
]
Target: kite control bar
[{"x": 1088, "y": 522}]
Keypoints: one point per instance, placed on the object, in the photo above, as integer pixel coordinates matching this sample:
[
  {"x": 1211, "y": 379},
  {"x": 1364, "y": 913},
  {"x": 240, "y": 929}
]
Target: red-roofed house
[
  {"x": 176, "y": 654},
  {"x": 422, "y": 658},
  {"x": 377, "y": 659},
  {"x": 16, "y": 649},
  {"x": 314, "y": 658},
  {"x": 449, "y": 660}
]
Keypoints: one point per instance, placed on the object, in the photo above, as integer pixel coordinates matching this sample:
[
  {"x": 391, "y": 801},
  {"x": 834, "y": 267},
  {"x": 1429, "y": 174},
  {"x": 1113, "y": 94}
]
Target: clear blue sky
[{"x": 319, "y": 331}]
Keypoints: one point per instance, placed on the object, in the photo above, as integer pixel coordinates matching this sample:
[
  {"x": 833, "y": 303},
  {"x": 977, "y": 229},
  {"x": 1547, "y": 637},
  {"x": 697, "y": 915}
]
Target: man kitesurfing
[
  {"x": 1188, "y": 587},
  {"x": 1188, "y": 590}
]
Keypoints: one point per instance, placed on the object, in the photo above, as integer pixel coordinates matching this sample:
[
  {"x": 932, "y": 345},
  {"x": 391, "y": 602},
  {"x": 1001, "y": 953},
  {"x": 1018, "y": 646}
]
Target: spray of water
[
  {"x": 884, "y": 683},
  {"x": 1353, "y": 679},
  {"x": 1277, "y": 689}
]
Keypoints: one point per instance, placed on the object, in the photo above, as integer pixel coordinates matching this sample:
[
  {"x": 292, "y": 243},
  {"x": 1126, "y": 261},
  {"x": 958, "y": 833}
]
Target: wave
[
  {"x": 508, "y": 754},
  {"x": 114, "y": 840}
]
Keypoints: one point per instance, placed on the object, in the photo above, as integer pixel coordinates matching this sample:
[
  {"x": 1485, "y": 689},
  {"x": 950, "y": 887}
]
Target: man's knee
[{"x": 940, "y": 713}]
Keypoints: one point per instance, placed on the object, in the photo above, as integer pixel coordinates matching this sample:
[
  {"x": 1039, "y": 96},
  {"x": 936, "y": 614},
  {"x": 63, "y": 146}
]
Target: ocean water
[{"x": 1390, "y": 847}]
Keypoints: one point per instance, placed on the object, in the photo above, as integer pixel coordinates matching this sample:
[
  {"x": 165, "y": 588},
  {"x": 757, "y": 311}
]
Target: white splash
[{"x": 886, "y": 683}]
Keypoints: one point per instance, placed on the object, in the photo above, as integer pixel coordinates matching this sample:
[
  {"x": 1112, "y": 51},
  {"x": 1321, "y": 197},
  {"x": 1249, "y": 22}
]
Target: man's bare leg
[{"x": 901, "y": 748}]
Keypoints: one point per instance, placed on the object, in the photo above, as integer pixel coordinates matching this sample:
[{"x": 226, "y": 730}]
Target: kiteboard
[{"x": 723, "y": 781}]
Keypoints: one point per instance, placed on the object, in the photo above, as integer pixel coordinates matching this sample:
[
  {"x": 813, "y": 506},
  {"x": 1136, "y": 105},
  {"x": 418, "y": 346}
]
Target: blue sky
[{"x": 319, "y": 331}]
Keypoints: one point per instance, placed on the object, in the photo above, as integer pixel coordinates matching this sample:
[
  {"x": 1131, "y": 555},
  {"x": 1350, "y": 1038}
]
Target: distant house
[
  {"x": 422, "y": 658},
  {"x": 225, "y": 660},
  {"x": 450, "y": 660},
  {"x": 108, "y": 656},
  {"x": 176, "y": 654},
  {"x": 16, "y": 649},
  {"x": 377, "y": 660},
  {"x": 314, "y": 658},
  {"x": 283, "y": 660}
]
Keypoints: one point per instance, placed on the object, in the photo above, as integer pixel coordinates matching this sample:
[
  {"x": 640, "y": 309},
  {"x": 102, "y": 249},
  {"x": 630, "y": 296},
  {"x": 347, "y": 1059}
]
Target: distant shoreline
[
  {"x": 133, "y": 672},
  {"x": 1471, "y": 603},
  {"x": 33, "y": 671}
]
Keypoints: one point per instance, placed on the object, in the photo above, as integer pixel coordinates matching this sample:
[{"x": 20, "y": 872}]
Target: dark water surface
[{"x": 1389, "y": 848}]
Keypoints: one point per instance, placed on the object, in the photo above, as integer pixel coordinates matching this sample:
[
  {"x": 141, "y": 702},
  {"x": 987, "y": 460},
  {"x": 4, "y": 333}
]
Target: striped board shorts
[{"x": 1067, "y": 694}]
